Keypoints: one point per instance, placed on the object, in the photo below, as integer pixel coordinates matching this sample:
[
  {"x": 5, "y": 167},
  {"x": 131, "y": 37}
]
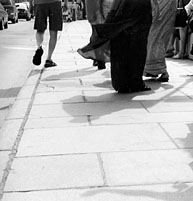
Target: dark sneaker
[
  {"x": 164, "y": 77},
  {"x": 38, "y": 56},
  {"x": 101, "y": 65},
  {"x": 49, "y": 64}
]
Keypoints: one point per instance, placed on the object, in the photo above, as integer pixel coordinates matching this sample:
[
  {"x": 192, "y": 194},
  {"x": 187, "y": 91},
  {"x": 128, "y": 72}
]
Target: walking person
[
  {"x": 121, "y": 38},
  {"x": 189, "y": 11},
  {"x": 45, "y": 9},
  {"x": 182, "y": 29},
  {"x": 93, "y": 19},
  {"x": 158, "y": 41}
]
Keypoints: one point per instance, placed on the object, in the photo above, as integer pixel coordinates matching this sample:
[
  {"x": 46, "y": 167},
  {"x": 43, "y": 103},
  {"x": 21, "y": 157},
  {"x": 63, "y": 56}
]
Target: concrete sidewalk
[{"x": 71, "y": 137}]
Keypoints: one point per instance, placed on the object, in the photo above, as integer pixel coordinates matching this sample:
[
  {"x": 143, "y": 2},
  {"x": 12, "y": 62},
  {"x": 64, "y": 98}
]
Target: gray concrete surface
[{"x": 70, "y": 136}]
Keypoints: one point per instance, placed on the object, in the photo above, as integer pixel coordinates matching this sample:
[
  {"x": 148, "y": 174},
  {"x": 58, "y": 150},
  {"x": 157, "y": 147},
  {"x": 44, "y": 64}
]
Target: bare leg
[
  {"x": 39, "y": 52},
  {"x": 39, "y": 38},
  {"x": 52, "y": 43}
]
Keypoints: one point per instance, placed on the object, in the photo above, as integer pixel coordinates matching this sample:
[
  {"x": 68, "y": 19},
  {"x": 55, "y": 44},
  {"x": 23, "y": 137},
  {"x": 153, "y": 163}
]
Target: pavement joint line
[
  {"x": 104, "y": 152},
  {"x": 167, "y": 134},
  {"x": 101, "y": 187},
  {"x": 89, "y": 120},
  {"x": 1, "y": 150},
  {"x": 81, "y": 82},
  {"x": 146, "y": 109},
  {"x": 18, "y": 138},
  {"x": 6, "y": 107},
  {"x": 103, "y": 174},
  {"x": 58, "y": 189},
  {"x": 84, "y": 97},
  {"x": 190, "y": 97}
]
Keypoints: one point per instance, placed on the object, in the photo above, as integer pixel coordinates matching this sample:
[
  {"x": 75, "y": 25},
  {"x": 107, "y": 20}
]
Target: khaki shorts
[{"x": 53, "y": 11}]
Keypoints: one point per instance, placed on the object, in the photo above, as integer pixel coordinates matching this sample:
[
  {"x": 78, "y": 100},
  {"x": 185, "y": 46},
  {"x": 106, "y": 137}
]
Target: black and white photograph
[{"x": 96, "y": 100}]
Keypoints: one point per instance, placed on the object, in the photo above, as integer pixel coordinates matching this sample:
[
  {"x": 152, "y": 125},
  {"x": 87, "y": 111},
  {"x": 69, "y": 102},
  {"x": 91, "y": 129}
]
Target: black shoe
[
  {"x": 49, "y": 64},
  {"x": 163, "y": 78},
  {"x": 101, "y": 65},
  {"x": 38, "y": 56},
  {"x": 169, "y": 55},
  {"x": 134, "y": 90}
]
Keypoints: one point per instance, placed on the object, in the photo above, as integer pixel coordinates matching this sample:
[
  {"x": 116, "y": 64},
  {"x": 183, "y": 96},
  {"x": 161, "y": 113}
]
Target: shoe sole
[{"x": 46, "y": 66}]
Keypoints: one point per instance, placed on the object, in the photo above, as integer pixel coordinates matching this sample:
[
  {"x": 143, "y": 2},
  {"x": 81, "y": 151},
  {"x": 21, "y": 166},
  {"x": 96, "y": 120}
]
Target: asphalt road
[{"x": 17, "y": 45}]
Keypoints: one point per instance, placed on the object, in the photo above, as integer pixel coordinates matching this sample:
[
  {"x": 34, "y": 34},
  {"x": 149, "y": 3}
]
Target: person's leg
[
  {"x": 40, "y": 25},
  {"x": 170, "y": 48},
  {"x": 55, "y": 25},
  {"x": 39, "y": 51},
  {"x": 51, "y": 48},
  {"x": 39, "y": 38},
  {"x": 182, "y": 43},
  {"x": 137, "y": 60},
  {"x": 119, "y": 47},
  {"x": 52, "y": 44}
]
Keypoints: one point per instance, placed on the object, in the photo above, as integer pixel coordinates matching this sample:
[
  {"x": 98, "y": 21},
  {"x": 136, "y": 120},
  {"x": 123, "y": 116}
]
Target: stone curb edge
[{"x": 19, "y": 111}]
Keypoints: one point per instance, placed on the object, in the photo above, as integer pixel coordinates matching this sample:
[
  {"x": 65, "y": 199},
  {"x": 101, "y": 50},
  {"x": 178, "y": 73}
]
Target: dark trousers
[{"x": 128, "y": 56}]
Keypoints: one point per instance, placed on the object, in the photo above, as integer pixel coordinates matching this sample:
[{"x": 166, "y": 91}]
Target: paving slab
[
  {"x": 92, "y": 139},
  {"x": 3, "y": 114},
  {"x": 57, "y": 122},
  {"x": 181, "y": 133},
  {"x": 117, "y": 108},
  {"x": 188, "y": 91},
  {"x": 59, "y": 86},
  {"x": 148, "y": 167},
  {"x": 8, "y": 133},
  {"x": 169, "y": 106},
  {"x": 172, "y": 117},
  {"x": 26, "y": 92},
  {"x": 169, "y": 192},
  {"x": 4, "y": 157},
  {"x": 97, "y": 84},
  {"x": 19, "y": 109},
  {"x": 56, "y": 172},
  {"x": 87, "y": 72},
  {"x": 148, "y": 95},
  {"x": 59, "y": 97},
  {"x": 34, "y": 76}
]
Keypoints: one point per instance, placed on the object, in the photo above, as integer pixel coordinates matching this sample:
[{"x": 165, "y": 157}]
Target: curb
[{"x": 19, "y": 112}]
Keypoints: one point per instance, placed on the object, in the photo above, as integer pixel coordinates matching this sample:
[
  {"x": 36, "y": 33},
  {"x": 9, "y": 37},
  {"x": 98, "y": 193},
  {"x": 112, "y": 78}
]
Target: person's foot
[
  {"x": 177, "y": 56},
  {"x": 169, "y": 55},
  {"x": 101, "y": 65},
  {"x": 164, "y": 77},
  {"x": 49, "y": 64},
  {"x": 38, "y": 56},
  {"x": 134, "y": 90}
]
